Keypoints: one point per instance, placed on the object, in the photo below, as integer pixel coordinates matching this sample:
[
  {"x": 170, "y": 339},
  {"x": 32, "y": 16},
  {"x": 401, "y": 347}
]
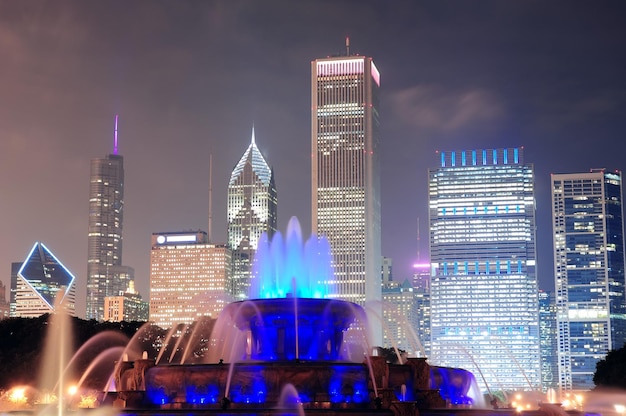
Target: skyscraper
[
  {"x": 484, "y": 302},
  {"x": 189, "y": 278},
  {"x": 589, "y": 272},
  {"x": 252, "y": 210},
  {"x": 346, "y": 174},
  {"x": 105, "y": 274},
  {"x": 36, "y": 283}
]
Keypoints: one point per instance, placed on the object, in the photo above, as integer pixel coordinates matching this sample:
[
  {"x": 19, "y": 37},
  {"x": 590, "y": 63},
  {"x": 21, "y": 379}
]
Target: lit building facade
[
  {"x": 106, "y": 276},
  {"x": 589, "y": 272},
  {"x": 548, "y": 334},
  {"x": 346, "y": 173},
  {"x": 127, "y": 306},
  {"x": 401, "y": 317},
  {"x": 484, "y": 294},
  {"x": 252, "y": 211},
  {"x": 4, "y": 304},
  {"x": 41, "y": 284},
  {"x": 189, "y": 278}
]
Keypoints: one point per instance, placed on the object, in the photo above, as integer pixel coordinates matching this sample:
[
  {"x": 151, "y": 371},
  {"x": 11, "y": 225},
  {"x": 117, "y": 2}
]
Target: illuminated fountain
[
  {"x": 287, "y": 350},
  {"x": 288, "y": 340}
]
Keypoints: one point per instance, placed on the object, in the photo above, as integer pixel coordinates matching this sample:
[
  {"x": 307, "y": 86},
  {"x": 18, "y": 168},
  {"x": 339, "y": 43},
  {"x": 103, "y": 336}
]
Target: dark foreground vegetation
[{"x": 22, "y": 341}]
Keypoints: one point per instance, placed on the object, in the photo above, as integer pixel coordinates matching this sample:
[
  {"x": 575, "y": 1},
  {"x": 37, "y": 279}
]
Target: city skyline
[{"x": 189, "y": 80}]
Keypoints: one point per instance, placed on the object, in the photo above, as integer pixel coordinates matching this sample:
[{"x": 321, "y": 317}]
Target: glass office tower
[
  {"x": 346, "y": 172},
  {"x": 105, "y": 274},
  {"x": 589, "y": 272},
  {"x": 252, "y": 210},
  {"x": 484, "y": 294}
]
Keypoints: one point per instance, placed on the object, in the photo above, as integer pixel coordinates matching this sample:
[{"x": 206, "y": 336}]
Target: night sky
[{"x": 190, "y": 78}]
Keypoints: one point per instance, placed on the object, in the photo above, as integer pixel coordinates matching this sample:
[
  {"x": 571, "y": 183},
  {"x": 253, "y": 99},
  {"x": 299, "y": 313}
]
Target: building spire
[
  {"x": 252, "y": 141},
  {"x": 115, "y": 137},
  {"x": 347, "y": 46}
]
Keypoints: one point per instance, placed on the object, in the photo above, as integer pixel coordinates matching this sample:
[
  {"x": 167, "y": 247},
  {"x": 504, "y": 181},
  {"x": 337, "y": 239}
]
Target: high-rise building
[
  {"x": 252, "y": 210},
  {"x": 38, "y": 281},
  {"x": 189, "y": 278},
  {"x": 484, "y": 302},
  {"x": 589, "y": 272},
  {"x": 346, "y": 174},
  {"x": 548, "y": 335},
  {"x": 106, "y": 276}
]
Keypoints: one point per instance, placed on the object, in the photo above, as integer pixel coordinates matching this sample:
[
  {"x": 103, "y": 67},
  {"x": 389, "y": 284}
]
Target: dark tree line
[
  {"x": 22, "y": 342},
  {"x": 611, "y": 372}
]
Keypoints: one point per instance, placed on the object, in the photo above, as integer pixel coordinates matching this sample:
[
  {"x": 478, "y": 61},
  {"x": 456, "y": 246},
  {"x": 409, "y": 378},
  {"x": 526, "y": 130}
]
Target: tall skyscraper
[
  {"x": 189, "y": 278},
  {"x": 105, "y": 274},
  {"x": 484, "y": 301},
  {"x": 36, "y": 283},
  {"x": 346, "y": 173},
  {"x": 589, "y": 272},
  {"x": 252, "y": 210}
]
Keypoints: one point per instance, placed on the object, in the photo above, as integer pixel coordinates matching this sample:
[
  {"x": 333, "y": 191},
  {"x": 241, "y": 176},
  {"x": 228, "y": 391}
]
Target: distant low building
[
  {"x": 36, "y": 283},
  {"x": 401, "y": 313},
  {"x": 127, "y": 306},
  {"x": 4, "y": 305}
]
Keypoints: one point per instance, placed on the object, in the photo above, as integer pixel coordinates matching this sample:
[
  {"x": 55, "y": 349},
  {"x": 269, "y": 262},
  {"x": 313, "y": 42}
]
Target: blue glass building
[
  {"x": 36, "y": 283},
  {"x": 484, "y": 301},
  {"x": 589, "y": 272}
]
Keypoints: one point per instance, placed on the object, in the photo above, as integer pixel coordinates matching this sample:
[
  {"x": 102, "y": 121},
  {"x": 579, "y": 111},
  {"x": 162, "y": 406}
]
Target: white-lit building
[
  {"x": 252, "y": 211},
  {"x": 189, "y": 278},
  {"x": 484, "y": 293},
  {"x": 346, "y": 172}
]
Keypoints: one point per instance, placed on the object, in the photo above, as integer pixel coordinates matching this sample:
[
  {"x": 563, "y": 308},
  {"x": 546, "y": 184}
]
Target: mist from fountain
[
  {"x": 289, "y": 401},
  {"x": 57, "y": 352}
]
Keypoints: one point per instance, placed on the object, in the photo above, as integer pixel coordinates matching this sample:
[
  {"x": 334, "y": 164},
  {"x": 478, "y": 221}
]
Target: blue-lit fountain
[{"x": 289, "y": 340}]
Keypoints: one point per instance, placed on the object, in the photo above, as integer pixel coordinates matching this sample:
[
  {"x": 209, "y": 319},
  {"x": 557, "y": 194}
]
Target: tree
[{"x": 611, "y": 372}]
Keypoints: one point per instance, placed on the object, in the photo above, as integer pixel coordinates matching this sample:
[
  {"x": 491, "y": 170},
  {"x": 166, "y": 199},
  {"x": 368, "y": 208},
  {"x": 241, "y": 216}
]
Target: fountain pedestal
[{"x": 404, "y": 408}]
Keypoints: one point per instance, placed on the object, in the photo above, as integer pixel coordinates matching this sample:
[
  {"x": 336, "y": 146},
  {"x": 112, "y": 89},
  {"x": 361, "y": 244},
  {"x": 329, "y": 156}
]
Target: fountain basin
[{"x": 290, "y": 328}]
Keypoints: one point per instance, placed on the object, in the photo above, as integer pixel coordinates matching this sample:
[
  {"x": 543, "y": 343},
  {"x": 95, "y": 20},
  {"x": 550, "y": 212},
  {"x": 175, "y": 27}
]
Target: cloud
[
  {"x": 437, "y": 109},
  {"x": 559, "y": 111}
]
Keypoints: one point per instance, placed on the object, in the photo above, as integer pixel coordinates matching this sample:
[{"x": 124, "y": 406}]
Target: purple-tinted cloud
[{"x": 433, "y": 108}]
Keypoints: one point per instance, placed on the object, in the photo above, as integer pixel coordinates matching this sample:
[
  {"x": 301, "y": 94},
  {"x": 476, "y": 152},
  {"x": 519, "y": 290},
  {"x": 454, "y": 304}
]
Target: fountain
[
  {"x": 288, "y": 340},
  {"x": 288, "y": 350}
]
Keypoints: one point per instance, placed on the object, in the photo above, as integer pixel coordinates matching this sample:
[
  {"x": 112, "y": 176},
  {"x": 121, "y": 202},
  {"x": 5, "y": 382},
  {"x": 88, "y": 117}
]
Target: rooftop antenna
[
  {"x": 418, "y": 239},
  {"x": 115, "y": 137},
  {"x": 253, "y": 141},
  {"x": 347, "y": 46},
  {"x": 210, "y": 195}
]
